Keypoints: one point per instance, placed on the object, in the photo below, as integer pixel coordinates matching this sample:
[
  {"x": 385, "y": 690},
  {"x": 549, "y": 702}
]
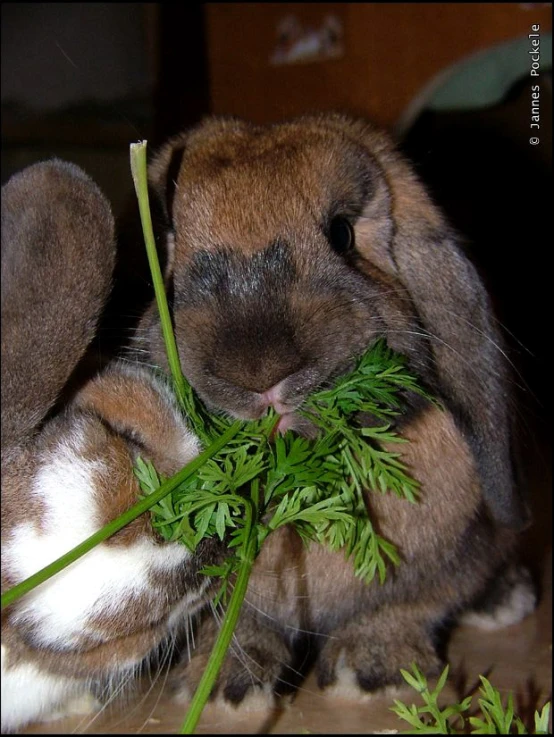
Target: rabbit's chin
[
  {"x": 288, "y": 418},
  {"x": 297, "y": 423}
]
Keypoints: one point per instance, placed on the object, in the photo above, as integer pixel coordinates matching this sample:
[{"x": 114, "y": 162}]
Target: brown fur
[
  {"x": 266, "y": 297},
  {"x": 58, "y": 255},
  {"x": 262, "y": 297},
  {"x": 72, "y": 231}
]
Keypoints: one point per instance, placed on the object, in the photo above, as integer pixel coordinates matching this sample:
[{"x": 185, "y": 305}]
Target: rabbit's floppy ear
[
  {"x": 467, "y": 349},
  {"x": 163, "y": 172},
  {"x": 454, "y": 310},
  {"x": 58, "y": 253}
]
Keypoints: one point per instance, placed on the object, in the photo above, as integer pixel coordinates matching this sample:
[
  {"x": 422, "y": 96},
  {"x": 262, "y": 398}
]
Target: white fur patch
[
  {"x": 257, "y": 699},
  {"x": 98, "y": 582},
  {"x": 81, "y": 705},
  {"x": 521, "y": 602},
  {"x": 29, "y": 695}
]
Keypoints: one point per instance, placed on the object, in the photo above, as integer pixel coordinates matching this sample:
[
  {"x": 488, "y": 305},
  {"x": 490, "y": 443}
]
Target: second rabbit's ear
[{"x": 58, "y": 253}]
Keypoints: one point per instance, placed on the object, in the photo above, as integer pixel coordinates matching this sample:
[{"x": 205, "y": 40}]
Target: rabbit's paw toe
[
  {"x": 249, "y": 677},
  {"x": 366, "y": 664}
]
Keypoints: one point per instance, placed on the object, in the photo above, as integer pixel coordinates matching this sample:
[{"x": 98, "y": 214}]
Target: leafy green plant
[
  {"x": 260, "y": 481},
  {"x": 493, "y": 718},
  {"x": 317, "y": 485}
]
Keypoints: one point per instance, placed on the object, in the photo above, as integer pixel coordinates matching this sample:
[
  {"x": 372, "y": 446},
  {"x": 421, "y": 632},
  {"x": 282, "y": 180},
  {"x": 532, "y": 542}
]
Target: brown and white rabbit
[
  {"x": 291, "y": 248},
  {"x": 68, "y": 447}
]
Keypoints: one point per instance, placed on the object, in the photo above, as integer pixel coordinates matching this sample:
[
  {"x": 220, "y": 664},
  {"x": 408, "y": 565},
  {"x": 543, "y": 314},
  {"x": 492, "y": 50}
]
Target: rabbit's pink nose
[{"x": 272, "y": 398}]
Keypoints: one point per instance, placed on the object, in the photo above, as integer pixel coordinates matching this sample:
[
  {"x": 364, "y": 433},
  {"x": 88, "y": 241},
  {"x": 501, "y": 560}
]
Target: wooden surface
[
  {"x": 392, "y": 50},
  {"x": 516, "y": 658}
]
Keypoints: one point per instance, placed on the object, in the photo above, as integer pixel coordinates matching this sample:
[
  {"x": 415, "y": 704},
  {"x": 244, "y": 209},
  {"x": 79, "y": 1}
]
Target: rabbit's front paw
[
  {"x": 367, "y": 656},
  {"x": 510, "y": 597},
  {"x": 255, "y": 665}
]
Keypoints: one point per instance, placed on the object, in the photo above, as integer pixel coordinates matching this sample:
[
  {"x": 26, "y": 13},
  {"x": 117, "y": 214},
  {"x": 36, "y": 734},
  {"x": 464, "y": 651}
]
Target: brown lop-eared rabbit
[{"x": 288, "y": 250}]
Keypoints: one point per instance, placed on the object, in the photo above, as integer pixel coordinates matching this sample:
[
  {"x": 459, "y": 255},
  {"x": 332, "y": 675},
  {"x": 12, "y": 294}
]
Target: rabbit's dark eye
[{"x": 341, "y": 235}]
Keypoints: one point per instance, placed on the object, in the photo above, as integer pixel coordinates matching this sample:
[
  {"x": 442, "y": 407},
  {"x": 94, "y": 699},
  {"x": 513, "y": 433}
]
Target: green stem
[
  {"x": 225, "y": 636},
  {"x": 115, "y": 525},
  {"x": 140, "y": 179}
]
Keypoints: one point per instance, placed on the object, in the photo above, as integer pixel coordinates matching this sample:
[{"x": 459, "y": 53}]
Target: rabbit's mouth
[
  {"x": 239, "y": 399},
  {"x": 297, "y": 423}
]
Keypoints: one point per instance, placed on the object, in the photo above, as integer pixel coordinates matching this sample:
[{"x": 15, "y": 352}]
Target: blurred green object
[{"x": 482, "y": 79}]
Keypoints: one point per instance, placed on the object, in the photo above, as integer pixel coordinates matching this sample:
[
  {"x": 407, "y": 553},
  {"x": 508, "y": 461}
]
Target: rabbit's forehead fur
[{"x": 251, "y": 190}]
